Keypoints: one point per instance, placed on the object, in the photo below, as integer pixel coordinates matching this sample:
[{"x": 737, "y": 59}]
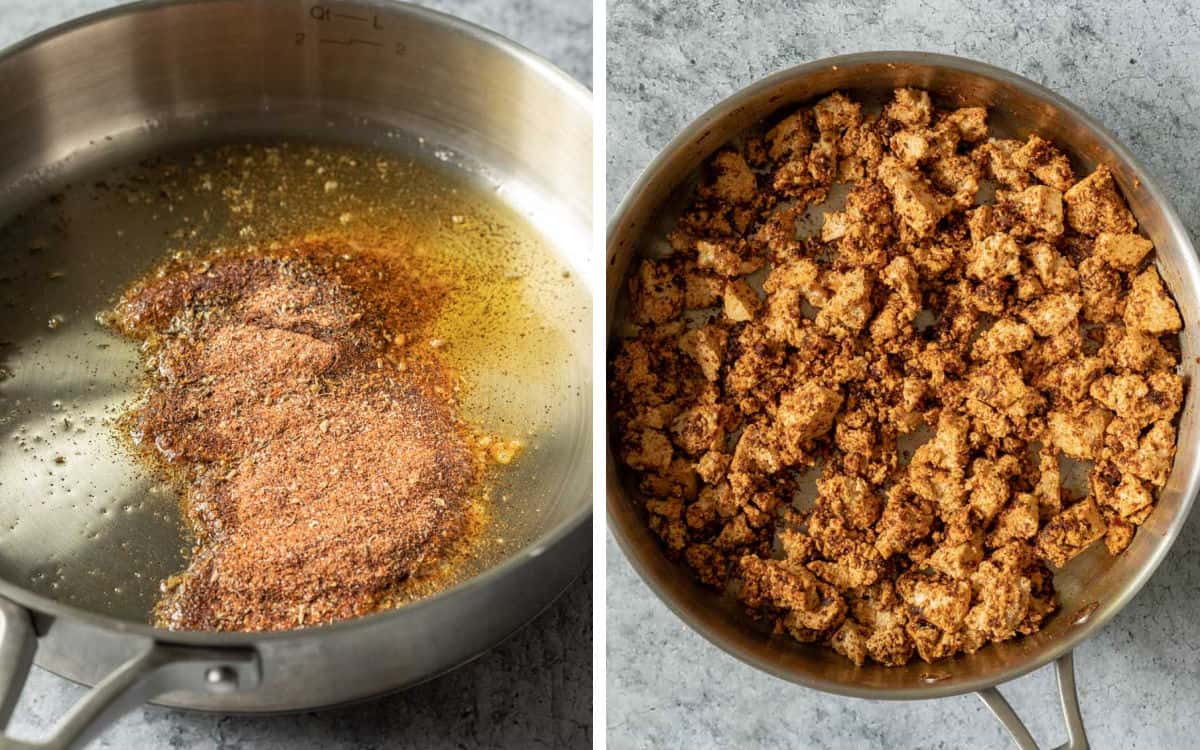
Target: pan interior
[
  {"x": 84, "y": 523},
  {"x": 1094, "y": 585}
]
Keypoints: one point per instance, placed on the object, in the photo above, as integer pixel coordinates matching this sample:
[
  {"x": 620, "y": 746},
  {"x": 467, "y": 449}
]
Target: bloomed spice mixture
[
  {"x": 296, "y": 397},
  {"x": 1015, "y": 332}
]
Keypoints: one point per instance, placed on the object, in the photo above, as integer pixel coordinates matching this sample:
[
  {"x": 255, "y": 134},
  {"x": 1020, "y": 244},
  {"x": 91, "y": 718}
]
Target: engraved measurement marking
[
  {"x": 399, "y": 49},
  {"x": 348, "y": 42},
  {"x": 325, "y": 13}
]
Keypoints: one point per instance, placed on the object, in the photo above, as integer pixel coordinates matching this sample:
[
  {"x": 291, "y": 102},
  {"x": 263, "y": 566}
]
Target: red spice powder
[{"x": 316, "y": 439}]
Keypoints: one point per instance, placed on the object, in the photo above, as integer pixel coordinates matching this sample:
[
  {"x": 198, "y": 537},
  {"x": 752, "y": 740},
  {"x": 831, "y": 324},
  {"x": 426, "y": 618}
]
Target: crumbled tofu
[
  {"x": 1079, "y": 433},
  {"x": 1095, "y": 206},
  {"x": 651, "y": 452},
  {"x": 1123, "y": 252},
  {"x": 1041, "y": 211},
  {"x": 1149, "y": 308},
  {"x": 1052, "y": 313},
  {"x": 1004, "y": 336},
  {"x": 906, "y": 519},
  {"x": 1018, "y": 520},
  {"x": 849, "y": 309},
  {"x": 915, "y": 200},
  {"x": 994, "y": 257},
  {"x": 808, "y": 411},
  {"x": 723, "y": 257},
  {"x": 1049, "y": 165},
  {"x": 910, "y": 107},
  {"x": 971, "y": 123},
  {"x": 741, "y": 302},
  {"x": 1071, "y": 532},
  {"x": 707, "y": 346},
  {"x": 657, "y": 292},
  {"x": 733, "y": 181},
  {"x": 702, "y": 290},
  {"x": 836, "y": 113},
  {"x": 699, "y": 430}
]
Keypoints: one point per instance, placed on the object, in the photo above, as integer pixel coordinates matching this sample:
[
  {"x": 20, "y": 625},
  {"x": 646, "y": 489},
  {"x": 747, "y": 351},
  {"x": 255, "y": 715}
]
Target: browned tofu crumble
[{"x": 1006, "y": 334}]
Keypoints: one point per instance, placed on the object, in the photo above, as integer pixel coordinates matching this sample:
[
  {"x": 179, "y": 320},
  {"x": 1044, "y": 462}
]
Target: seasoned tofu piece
[
  {"x": 999, "y": 159},
  {"x": 1102, "y": 290},
  {"x": 741, "y": 302},
  {"x": 1054, "y": 272},
  {"x": 1049, "y": 165},
  {"x": 941, "y": 601},
  {"x": 911, "y": 107},
  {"x": 939, "y": 465},
  {"x": 914, "y": 199},
  {"x": 726, "y": 257},
  {"x": 792, "y": 137},
  {"x": 1119, "y": 535},
  {"x": 849, "y": 309},
  {"x": 906, "y": 519},
  {"x": 706, "y": 345},
  {"x": 733, "y": 182},
  {"x": 1041, "y": 211},
  {"x": 1130, "y": 349},
  {"x": 988, "y": 488},
  {"x": 1005, "y": 336},
  {"x": 656, "y": 292},
  {"x": 851, "y": 498},
  {"x": 850, "y": 641},
  {"x": 994, "y": 257},
  {"x": 1149, "y": 456},
  {"x": 651, "y": 451},
  {"x": 1071, "y": 532},
  {"x": 836, "y": 113},
  {"x": 1002, "y": 600},
  {"x": 971, "y": 123},
  {"x": 1079, "y": 433},
  {"x": 1017, "y": 521},
  {"x": 699, "y": 429},
  {"x": 1124, "y": 252},
  {"x": 701, "y": 289},
  {"x": 808, "y": 411},
  {"x": 1052, "y": 313},
  {"x": 1143, "y": 399},
  {"x": 1095, "y": 206},
  {"x": 1149, "y": 308}
]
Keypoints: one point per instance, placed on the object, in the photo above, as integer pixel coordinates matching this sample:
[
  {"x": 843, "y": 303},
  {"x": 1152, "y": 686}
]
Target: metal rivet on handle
[{"x": 223, "y": 677}]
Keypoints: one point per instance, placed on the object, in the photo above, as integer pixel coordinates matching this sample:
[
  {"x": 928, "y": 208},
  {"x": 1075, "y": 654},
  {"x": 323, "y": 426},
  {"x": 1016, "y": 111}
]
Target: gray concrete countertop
[
  {"x": 1132, "y": 65},
  {"x": 533, "y": 691}
]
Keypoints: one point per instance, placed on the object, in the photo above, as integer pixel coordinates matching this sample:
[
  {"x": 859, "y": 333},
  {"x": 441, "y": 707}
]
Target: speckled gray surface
[
  {"x": 533, "y": 691},
  {"x": 1135, "y": 66}
]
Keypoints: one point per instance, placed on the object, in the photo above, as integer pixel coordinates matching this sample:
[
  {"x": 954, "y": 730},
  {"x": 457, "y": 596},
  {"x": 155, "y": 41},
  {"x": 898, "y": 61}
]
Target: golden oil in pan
[{"x": 515, "y": 329}]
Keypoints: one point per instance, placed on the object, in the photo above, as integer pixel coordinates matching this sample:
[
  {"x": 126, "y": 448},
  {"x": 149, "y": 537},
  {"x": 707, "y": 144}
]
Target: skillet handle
[
  {"x": 1076, "y": 736},
  {"x": 154, "y": 670}
]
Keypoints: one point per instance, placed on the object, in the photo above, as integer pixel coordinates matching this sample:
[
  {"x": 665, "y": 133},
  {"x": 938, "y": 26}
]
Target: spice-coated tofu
[
  {"x": 741, "y": 302},
  {"x": 1149, "y": 308},
  {"x": 1079, "y": 433},
  {"x": 808, "y": 411},
  {"x": 1071, "y": 532},
  {"x": 706, "y": 345},
  {"x": 656, "y": 292},
  {"x": 1123, "y": 252},
  {"x": 994, "y": 257},
  {"x": 1095, "y": 206},
  {"x": 914, "y": 199}
]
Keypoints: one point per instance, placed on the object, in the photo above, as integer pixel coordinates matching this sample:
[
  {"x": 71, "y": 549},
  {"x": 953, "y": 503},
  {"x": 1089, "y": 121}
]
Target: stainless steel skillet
[
  {"x": 1094, "y": 586},
  {"x": 141, "y": 79}
]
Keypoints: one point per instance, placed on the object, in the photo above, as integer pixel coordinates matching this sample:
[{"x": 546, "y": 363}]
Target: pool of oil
[{"x": 84, "y": 522}]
